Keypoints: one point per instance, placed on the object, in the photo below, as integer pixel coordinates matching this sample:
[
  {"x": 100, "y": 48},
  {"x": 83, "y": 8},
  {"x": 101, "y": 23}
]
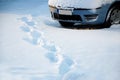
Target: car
[{"x": 85, "y": 12}]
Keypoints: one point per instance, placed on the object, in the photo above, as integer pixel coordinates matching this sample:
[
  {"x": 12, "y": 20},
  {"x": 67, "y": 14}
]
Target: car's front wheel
[
  {"x": 66, "y": 24},
  {"x": 113, "y": 17}
]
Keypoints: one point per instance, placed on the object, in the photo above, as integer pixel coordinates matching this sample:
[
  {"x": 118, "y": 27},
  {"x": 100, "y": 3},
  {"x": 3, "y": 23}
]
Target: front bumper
[{"x": 82, "y": 16}]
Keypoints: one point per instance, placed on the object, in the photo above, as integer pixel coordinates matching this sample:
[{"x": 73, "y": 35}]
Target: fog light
[{"x": 91, "y": 17}]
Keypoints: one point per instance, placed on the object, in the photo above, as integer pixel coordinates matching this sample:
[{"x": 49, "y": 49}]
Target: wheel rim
[{"x": 115, "y": 16}]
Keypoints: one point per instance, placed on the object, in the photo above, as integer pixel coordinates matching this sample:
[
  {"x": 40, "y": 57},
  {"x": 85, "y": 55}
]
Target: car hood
[{"x": 76, "y": 3}]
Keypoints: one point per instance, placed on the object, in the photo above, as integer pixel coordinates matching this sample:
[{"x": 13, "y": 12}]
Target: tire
[
  {"x": 113, "y": 17},
  {"x": 66, "y": 24}
]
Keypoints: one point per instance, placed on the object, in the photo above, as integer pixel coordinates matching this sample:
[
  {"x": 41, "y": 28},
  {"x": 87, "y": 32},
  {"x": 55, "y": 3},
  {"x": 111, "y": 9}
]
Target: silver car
[{"x": 85, "y": 12}]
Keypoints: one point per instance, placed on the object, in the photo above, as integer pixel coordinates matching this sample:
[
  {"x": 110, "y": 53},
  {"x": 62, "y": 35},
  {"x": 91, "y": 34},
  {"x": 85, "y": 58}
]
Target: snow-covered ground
[{"x": 35, "y": 47}]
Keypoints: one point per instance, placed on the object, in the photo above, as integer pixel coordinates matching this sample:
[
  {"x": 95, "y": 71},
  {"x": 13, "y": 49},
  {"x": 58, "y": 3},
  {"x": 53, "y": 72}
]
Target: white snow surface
[
  {"x": 76, "y": 3},
  {"x": 35, "y": 47}
]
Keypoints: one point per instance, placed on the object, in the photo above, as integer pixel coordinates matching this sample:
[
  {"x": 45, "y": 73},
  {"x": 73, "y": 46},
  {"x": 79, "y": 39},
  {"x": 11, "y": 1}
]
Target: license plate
[{"x": 65, "y": 12}]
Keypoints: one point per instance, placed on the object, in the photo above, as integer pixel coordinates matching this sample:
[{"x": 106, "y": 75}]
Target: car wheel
[
  {"x": 113, "y": 17},
  {"x": 66, "y": 24}
]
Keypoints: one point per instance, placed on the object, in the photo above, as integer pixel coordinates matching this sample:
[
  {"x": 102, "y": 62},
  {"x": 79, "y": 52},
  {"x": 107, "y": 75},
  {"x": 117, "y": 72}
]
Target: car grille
[{"x": 67, "y": 17}]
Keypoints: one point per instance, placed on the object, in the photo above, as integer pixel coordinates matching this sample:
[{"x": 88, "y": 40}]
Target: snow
[
  {"x": 35, "y": 47},
  {"x": 76, "y": 3}
]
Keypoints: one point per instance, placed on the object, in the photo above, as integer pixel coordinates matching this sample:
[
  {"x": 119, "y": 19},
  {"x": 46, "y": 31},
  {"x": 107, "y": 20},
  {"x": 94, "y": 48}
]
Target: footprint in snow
[
  {"x": 52, "y": 56},
  {"x": 35, "y": 38},
  {"x": 28, "y": 22},
  {"x": 65, "y": 65},
  {"x": 53, "y": 53},
  {"x": 25, "y": 28},
  {"x": 24, "y": 19},
  {"x": 50, "y": 46}
]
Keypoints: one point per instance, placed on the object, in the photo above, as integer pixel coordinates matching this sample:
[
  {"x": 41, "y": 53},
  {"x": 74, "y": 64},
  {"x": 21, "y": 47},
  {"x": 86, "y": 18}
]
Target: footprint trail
[{"x": 53, "y": 54}]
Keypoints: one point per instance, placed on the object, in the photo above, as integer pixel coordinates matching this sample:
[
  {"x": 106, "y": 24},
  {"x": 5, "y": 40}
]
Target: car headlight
[{"x": 52, "y": 8}]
